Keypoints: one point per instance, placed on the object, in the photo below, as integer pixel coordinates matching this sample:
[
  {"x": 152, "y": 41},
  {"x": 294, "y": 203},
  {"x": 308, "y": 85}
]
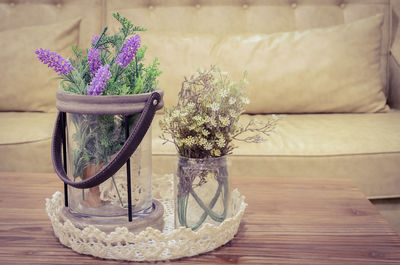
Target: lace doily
[
  {"x": 150, "y": 244},
  {"x": 115, "y": 190}
]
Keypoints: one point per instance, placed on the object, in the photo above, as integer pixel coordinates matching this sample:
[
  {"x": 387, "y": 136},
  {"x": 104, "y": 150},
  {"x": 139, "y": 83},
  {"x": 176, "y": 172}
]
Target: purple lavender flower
[
  {"x": 94, "y": 60},
  {"x": 99, "y": 81},
  {"x": 95, "y": 38},
  {"x": 128, "y": 51},
  {"x": 53, "y": 60}
]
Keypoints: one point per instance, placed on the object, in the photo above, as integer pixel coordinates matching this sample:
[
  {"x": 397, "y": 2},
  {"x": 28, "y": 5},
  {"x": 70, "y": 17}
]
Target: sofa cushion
[
  {"x": 335, "y": 69},
  {"x": 25, "y": 81},
  {"x": 179, "y": 56},
  {"x": 332, "y": 69},
  {"x": 25, "y": 127},
  {"x": 21, "y": 13},
  {"x": 316, "y": 135},
  {"x": 362, "y": 147},
  {"x": 25, "y": 139}
]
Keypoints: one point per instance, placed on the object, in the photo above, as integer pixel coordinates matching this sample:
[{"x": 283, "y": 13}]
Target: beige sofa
[{"x": 358, "y": 140}]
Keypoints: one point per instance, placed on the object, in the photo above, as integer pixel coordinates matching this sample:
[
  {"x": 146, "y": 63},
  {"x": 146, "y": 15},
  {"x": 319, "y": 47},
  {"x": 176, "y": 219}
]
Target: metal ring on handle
[{"x": 129, "y": 147}]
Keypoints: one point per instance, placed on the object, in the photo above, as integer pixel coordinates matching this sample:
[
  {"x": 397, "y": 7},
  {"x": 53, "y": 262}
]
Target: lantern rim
[{"x": 108, "y": 104}]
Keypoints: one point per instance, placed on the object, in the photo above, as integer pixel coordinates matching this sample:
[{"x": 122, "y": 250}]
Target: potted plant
[
  {"x": 105, "y": 89},
  {"x": 203, "y": 126}
]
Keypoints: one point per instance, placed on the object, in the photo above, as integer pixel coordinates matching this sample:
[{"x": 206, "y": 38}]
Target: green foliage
[
  {"x": 77, "y": 51},
  {"x": 135, "y": 78},
  {"x": 127, "y": 27},
  {"x": 151, "y": 74},
  {"x": 97, "y": 137}
]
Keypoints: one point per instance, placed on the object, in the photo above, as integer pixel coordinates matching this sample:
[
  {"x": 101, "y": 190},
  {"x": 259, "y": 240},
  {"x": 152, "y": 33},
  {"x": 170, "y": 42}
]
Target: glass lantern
[
  {"x": 105, "y": 160},
  {"x": 92, "y": 141}
]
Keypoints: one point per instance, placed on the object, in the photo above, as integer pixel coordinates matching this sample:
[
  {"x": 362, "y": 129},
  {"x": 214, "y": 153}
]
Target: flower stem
[
  {"x": 183, "y": 204},
  {"x": 119, "y": 196},
  {"x": 208, "y": 210}
]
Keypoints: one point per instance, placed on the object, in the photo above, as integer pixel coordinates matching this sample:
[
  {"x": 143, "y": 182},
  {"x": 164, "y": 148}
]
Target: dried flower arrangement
[
  {"x": 206, "y": 119},
  {"x": 203, "y": 126}
]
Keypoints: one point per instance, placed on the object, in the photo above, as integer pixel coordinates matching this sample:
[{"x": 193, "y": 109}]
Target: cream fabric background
[
  {"x": 334, "y": 69},
  {"x": 232, "y": 17},
  {"x": 25, "y": 81},
  {"x": 15, "y": 14}
]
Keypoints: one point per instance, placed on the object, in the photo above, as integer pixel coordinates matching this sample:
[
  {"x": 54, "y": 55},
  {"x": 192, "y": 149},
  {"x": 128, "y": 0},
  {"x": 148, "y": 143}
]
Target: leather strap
[{"x": 129, "y": 147}]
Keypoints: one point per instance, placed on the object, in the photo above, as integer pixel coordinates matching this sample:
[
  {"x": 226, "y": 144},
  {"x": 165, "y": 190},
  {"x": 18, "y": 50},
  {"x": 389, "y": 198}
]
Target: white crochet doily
[
  {"x": 150, "y": 244},
  {"x": 115, "y": 190}
]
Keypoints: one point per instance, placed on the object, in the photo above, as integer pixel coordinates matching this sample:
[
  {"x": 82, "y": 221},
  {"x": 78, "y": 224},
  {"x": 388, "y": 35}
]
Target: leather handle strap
[{"x": 129, "y": 147}]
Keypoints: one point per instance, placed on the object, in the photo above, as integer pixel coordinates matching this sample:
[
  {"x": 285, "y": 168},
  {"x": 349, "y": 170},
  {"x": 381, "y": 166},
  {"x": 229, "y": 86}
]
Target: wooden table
[{"x": 288, "y": 221}]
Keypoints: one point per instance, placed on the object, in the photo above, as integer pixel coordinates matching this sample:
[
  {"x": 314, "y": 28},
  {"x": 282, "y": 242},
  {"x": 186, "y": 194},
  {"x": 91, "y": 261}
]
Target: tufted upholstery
[{"x": 15, "y": 14}]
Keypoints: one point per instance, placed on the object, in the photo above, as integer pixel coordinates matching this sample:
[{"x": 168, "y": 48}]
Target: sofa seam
[
  {"x": 26, "y": 142},
  {"x": 389, "y": 46}
]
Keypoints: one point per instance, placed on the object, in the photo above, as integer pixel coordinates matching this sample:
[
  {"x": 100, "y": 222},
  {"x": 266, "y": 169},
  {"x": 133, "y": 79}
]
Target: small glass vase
[{"x": 202, "y": 192}]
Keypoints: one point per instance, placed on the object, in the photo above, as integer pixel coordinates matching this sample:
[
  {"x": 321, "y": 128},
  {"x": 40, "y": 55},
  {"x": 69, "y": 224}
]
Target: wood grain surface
[{"x": 288, "y": 221}]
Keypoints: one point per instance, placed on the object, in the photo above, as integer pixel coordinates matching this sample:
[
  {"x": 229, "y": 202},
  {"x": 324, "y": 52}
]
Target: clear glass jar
[
  {"x": 202, "y": 191},
  {"x": 92, "y": 141}
]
